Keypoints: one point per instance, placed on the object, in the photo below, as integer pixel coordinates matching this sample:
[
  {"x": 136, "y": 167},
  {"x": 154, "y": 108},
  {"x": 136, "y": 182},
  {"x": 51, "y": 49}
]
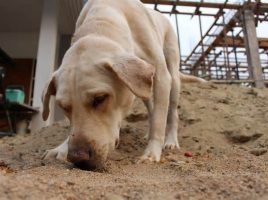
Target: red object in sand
[{"x": 188, "y": 154}]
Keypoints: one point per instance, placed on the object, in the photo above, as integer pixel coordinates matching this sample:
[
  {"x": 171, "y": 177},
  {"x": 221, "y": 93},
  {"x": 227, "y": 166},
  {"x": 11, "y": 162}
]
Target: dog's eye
[{"x": 98, "y": 100}]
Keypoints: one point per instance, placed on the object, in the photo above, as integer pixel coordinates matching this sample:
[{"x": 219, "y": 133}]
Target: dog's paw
[
  {"x": 55, "y": 153},
  {"x": 59, "y": 152},
  {"x": 152, "y": 152},
  {"x": 171, "y": 143}
]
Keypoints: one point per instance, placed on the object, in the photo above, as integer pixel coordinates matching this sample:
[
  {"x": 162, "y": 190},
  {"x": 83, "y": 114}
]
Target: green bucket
[{"x": 15, "y": 95}]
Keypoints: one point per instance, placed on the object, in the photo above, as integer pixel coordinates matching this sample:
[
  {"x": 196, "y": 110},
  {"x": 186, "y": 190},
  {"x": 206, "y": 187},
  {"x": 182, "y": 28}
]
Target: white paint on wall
[{"x": 46, "y": 58}]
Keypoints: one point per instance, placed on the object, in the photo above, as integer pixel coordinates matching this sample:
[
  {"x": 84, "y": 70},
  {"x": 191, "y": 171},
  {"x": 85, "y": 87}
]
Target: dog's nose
[{"x": 83, "y": 158}]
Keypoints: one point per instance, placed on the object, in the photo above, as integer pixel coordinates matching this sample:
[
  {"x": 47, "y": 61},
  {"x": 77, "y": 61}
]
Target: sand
[{"x": 225, "y": 128}]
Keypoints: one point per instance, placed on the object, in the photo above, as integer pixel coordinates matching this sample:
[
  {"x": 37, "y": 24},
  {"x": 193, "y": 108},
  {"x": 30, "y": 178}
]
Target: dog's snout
[
  {"x": 83, "y": 155},
  {"x": 83, "y": 158},
  {"x": 88, "y": 154}
]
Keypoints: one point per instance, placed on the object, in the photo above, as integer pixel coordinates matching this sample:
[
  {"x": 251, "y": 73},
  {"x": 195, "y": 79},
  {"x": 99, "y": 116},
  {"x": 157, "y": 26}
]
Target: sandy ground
[{"x": 224, "y": 127}]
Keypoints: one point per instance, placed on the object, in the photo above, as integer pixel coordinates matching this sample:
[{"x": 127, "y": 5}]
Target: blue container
[{"x": 15, "y": 95}]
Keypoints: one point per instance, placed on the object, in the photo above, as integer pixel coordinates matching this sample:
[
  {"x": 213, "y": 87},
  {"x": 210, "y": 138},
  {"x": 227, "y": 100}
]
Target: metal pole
[
  {"x": 216, "y": 66},
  {"x": 178, "y": 33},
  {"x": 228, "y": 72},
  {"x": 202, "y": 44},
  {"x": 235, "y": 53}
]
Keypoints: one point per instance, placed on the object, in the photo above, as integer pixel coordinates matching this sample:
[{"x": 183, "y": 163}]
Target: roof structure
[{"x": 223, "y": 52}]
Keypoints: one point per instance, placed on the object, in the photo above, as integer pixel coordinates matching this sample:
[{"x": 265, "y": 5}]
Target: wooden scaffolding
[{"x": 229, "y": 51}]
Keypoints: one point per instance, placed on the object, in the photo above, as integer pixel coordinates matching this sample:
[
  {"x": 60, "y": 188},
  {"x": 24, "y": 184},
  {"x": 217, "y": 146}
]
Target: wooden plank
[
  {"x": 231, "y": 81},
  {"x": 220, "y": 37},
  {"x": 262, "y": 8},
  {"x": 235, "y": 82},
  {"x": 239, "y": 42},
  {"x": 252, "y": 48},
  {"x": 193, "y": 4}
]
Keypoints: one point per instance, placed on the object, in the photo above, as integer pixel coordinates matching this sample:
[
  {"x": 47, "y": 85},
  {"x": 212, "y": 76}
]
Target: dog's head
[{"x": 94, "y": 87}]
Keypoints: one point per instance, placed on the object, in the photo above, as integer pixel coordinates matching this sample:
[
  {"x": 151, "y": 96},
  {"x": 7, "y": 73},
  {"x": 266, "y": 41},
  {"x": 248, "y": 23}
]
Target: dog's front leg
[
  {"x": 149, "y": 106},
  {"x": 162, "y": 87},
  {"x": 60, "y": 152}
]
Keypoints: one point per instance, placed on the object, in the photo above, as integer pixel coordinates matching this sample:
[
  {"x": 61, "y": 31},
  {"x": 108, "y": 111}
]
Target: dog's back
[{"x": 126, "y": 22}]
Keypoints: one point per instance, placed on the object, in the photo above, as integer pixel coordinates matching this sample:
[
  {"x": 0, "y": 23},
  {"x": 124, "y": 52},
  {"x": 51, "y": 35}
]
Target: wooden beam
[
  {"x": 231, "y": 81},
  {"x": 225, "y": 29},
  {"x": 239, "y": 42},
  {"x": 186, "y": 13},
  {"x": 252, "y": 48},
  {"x": 262, "y": 7},
  {"x": 193, "y": 4},
  {"x": 234, "y": 81}
]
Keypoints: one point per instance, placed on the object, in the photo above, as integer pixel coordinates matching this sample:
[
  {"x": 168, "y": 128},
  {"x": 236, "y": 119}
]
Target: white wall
[
  {"x": 47, "y": 58},
  {"x": 19, "y": 44}
]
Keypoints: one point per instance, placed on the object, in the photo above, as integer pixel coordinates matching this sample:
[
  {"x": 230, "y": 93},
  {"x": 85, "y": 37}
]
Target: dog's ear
[
  {"x": 50, "y": 89},
  {"x": 135, "y": 73}
]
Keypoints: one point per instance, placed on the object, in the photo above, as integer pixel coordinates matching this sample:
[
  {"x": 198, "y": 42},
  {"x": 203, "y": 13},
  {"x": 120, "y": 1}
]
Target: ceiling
[{"x": 25, "y": 16}]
